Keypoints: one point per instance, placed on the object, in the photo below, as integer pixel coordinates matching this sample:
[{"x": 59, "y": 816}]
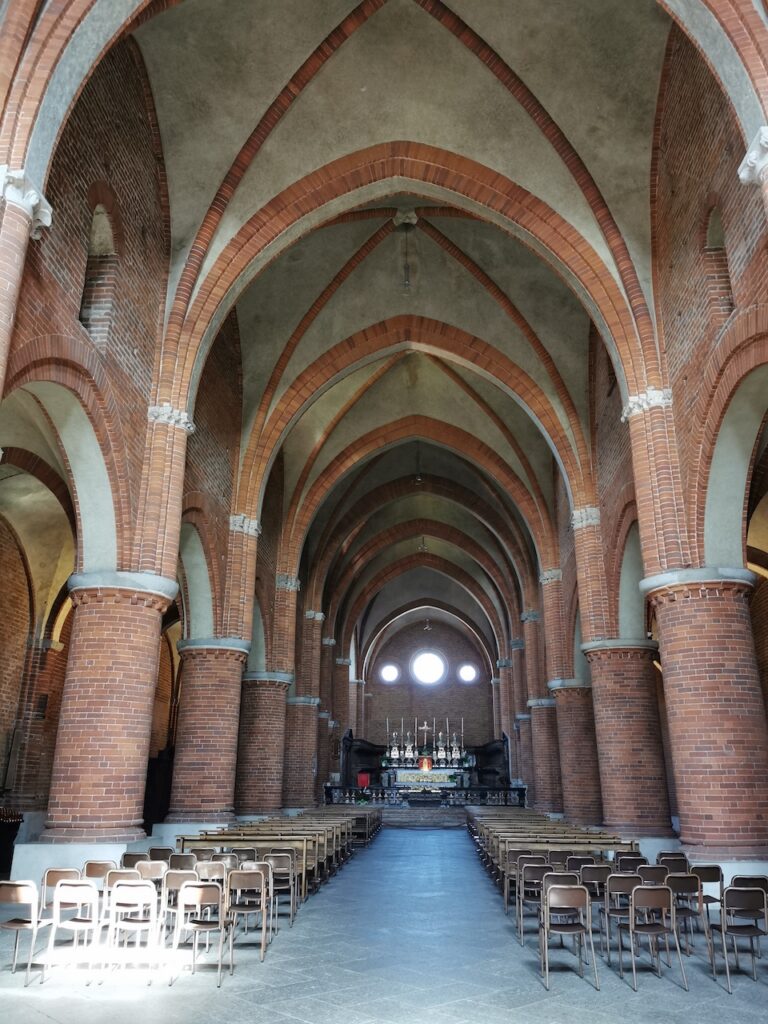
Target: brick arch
[
  {"x": 340, "y": 586},
  {"x": 198, "y": 512},
  {"x": 349, "y": 525},
  {"x": 626, "y": 518},
  {"x": 432, "y": 603},
  {"x": 741, "y": 348},
  {"x": 40, "y": 470},
  {"x": 378, "y": 341},
  {"x": 446, "y": 435},
  {"x": 76, "y": 366},
  {"x": 402, "y": 566},
  {"x": 419, "y": 163}
]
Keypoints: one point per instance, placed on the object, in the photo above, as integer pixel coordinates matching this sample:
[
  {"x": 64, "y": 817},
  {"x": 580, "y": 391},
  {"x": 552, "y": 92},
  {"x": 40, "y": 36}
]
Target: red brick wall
[
  {"x": 758, "y": 609},
  {"x": 14, "y": 635},
  {"x": 213, "y": 449},
  {"x": 162, "y": 707},
  {"x": 700, "y": 149},
  {"x": 107, "y": 138},
  {"x": 452, "y": 698},
  {"x": 270, "y": 515}
]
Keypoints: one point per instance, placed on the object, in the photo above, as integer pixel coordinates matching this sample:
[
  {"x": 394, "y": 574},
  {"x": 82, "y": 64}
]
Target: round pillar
[
  {"x": 261, "y": 750},
  {"x": 580, "y": 774},
  {"x": 205, "y": 758},
  {"x": 715, "y": 708},
  {"x": 546, "y": 756},
  {"x": 300, "y": 751},
  {"x": 102, "y": 744},
  {"x": 523, "y": 729},
  {"x": 629, "y": 740}
]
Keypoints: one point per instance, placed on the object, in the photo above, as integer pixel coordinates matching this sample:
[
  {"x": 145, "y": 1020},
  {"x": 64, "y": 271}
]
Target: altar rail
[{"x": 480, "y": 796}]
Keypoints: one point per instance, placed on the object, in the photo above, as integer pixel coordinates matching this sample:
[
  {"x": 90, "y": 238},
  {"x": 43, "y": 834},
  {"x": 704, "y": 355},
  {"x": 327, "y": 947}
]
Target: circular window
[
  {"x": 428, "y": 667},
  {"x": 389, "y": 673},
  {"x": 467, "y": 673}
]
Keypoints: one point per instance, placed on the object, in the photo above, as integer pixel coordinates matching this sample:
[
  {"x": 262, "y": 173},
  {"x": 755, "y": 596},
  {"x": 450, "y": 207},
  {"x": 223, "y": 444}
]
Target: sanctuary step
[{"x": 424, "y": 817}]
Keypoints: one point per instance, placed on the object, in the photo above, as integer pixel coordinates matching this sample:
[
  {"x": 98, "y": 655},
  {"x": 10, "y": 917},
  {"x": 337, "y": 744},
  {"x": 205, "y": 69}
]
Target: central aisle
[{"x": 411, "y": 931}]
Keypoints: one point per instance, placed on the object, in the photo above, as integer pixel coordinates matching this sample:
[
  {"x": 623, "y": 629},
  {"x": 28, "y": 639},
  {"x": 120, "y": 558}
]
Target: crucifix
[{"x": 425, "y": 729}]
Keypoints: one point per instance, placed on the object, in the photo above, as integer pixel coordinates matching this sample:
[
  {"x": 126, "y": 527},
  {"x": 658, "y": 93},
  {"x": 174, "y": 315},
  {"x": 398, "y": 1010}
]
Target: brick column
[
  {"x": 25, "y": 213},
  {"x": 205, "y": 758},
  {"x": 546, "y": 756},
  {"x": 359, "y": 720},
  {"x": 715, "y": 708},
  {"x": 102, "y": 744},
  {"x": 323, "y": 754},
  {"x": 300, "y": 769},
  {"x": 308, "y": 670},
  {"x": 261, "y": 746},
  {"x": 505, "y": 695},
  {"x": 343, "y": 712},
  {"x": 495, "y": 682},
  {"x": 631, "y": 753},
  {"x": 523, "y": 729},
  {"x": 327, "y": 645},
  {"x": 578, "y": 751}
]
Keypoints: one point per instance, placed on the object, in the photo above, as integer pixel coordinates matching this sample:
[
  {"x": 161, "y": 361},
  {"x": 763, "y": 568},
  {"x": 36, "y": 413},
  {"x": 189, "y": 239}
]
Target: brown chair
[
  {"x": 566, "y": 910},
  {"x": 110, "y": 881},
  {"x": 750, "y": 882},
  {"x": 182, "y": 862},
  {"x": 211, "y": 871},
  {"x": 160, "y": 853},
  {"x": 628, "y": 863},
  {"x": 245, "y": 853},
  {"x": 740, "y": 903},
  {"x": 577, "y": 862},
  {"x": 202, "y": 852},
  {"x": 676, "y": 863},
  {"x": 83, "y": 896},
  {"x": 689, "y": 906},
  {"x": 529, "y": 892},
  {"x": 509, "y": 874},
  {"x": 132, "y": 911},
  {"x": 651, "y": 914},
  {"x": 130, "y": 860},
  {"x": 248, "y": 894},
  {"x": 283, "y": 881},
  {"x": 710, "y": 874},
  {"x": 96, "y": 871},
  {"x": 228, "y": 859},
  {"x": 20, "y": 894},
  {"x": 152, "y": 871},
  {"x": 50, "y": 877},
  {"x": 616, "y": 907},
  {"x": 653, "y": 874},
  {"x": 200, "y": 909},
  {"x": 172, "y": 882},
  {"x": 558, "y": 858}
]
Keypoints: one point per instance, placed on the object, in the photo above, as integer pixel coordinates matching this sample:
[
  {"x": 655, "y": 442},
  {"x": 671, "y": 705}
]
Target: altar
[{"x": 442, "y": 778}]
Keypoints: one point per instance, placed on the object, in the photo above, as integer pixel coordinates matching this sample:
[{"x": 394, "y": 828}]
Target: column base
[
  {"x": 633, "y": 829},
  {"x": 89, "y": 836},
  {"x": 214, "y": 817},
  {"x": 164, "y": 833}
]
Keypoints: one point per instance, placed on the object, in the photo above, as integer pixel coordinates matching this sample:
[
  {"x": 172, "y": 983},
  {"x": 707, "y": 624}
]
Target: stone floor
[{"x": 410, "y": 932}]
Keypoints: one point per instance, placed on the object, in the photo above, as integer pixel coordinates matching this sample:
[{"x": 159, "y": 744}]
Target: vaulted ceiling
[{"x": 419, "y": 360}]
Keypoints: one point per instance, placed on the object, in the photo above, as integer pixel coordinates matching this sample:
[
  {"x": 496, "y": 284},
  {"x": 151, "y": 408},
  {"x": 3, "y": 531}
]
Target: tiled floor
[{"x": 410, "y": 932}]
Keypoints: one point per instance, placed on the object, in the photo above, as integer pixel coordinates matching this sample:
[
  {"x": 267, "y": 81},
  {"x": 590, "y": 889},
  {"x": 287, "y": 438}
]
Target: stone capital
[
  {"x": 554, "y": 685},
  {"x": 522, "y": 717},
  {"x": 516, "y": 645},
  {"x": 311, "y": 702},
  {"x": 241, "y": 523},
  {"x": 358, "y": 682},
  {"x": 541, "y": 702},
  {"x": 343, "y": 661},
  {"x": 495, "y": 680},
  {"x": 167, "y": 415},
  {"x": 551, "y": 576},
  {"x": 504, "y": 663},
  {"x": 651, "y": 398},
  {"x": 637, "y": 643},
  {"x": 753, "y": 169},
  {"x": 405, "y": 217},
  {"x": 587, "y": 516},
  {"x": 17, "y": 190},
  {"x": 531, "y": 615},
  {"x": 328, "y": 641},
  {"x": 283, "y": 678},
  {"x": 138, "y": 582},
  {"x": 706, "y": 577},
  {"x": 324, "y": 714},
  {"x": 318, "y": 617},
  {"x": 285, "y": 581},
  {"x": 214, "y": 643}
]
